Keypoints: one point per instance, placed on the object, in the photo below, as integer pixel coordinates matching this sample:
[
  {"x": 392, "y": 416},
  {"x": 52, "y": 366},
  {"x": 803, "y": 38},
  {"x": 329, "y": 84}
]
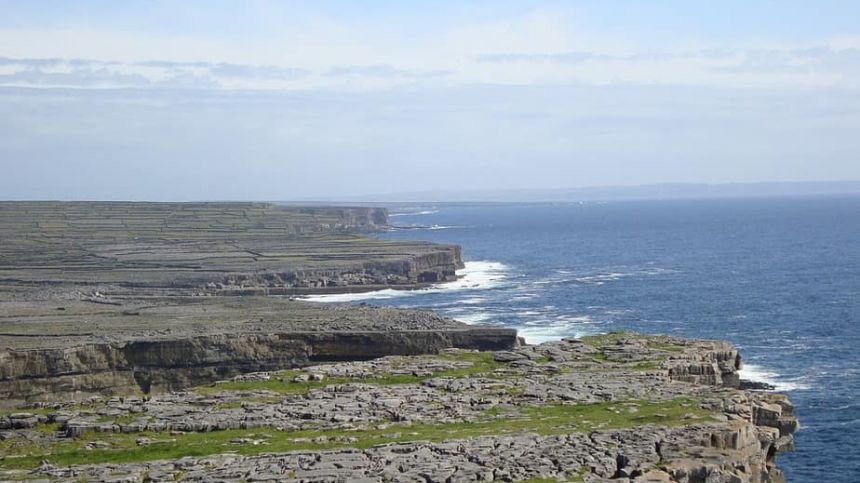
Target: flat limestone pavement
[
  {"x": 161, "y": 342},
  {"x": 215, "y": 248},
  {"x": 119, "y": 298},
  {"x": 618, "y": 407}
]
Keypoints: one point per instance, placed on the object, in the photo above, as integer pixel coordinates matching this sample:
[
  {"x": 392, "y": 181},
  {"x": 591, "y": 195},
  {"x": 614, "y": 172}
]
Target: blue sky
[{"x": 278, "y": 100}]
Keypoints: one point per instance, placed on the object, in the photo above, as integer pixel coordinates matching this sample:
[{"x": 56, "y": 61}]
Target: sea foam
[
  {"x": 538, "y": 331},
  {"x": 755, "y": 373},
  {"x": 476, "y": 275}
]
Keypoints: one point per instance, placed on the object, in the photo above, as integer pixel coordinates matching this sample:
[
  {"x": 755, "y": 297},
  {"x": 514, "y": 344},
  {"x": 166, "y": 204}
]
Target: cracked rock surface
[{"x": 621, "y": 406}]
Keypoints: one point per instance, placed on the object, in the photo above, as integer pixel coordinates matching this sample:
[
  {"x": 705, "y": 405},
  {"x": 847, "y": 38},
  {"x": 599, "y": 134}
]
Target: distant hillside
[{"x": 609, "y": 193}]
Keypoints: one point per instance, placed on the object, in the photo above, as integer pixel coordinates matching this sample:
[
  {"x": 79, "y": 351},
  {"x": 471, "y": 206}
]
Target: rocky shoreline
[
  {"x": 122, "y": 249},
  {"x": 175, "y": 343},
  {"x": 617, "y": 407},
  {"x": 160, "y": 342}
]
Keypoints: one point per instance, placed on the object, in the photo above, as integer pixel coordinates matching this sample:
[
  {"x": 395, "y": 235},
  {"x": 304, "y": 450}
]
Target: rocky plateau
[{"x": 165, "y": 342}]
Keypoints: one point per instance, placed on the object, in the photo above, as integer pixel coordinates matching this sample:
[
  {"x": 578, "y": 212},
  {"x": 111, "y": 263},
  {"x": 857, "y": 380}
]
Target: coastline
[
  {"x": 121, "y": 351},
  {"x": 620, "y": 406}
]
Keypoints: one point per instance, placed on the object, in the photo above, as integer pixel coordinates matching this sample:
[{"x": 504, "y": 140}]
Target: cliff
[
  {"x": 564, "y": 411},
  {"x": 101, "y": 349},
  {"x": 147, "y": 342},
  {"x": 124, "y": 248}
]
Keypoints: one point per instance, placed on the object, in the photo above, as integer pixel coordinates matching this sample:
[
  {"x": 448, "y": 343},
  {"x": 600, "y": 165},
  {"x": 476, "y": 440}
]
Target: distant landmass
[{"x": 613, "y": 193}]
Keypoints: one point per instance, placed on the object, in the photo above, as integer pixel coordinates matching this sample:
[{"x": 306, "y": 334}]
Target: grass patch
[
  {"x": 48, "y": 428},
  {"x": 281, "y": 383},
  {"x": 284, "y": 382},
  {"x": 658, "y": 342},
  {"x": 646, "y": 365},
  {"x": 576, "y": 478},
  {"x": 543, "y": 420},
  {"x": 600, "y": 357}
]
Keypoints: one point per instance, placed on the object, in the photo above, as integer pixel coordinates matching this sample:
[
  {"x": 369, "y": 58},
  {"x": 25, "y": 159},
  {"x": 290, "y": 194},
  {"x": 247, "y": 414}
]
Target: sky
[{"x": 280, "y": 100}]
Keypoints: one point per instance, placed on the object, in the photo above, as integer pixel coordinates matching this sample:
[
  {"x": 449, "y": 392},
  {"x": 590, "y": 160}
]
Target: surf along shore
[{"x": 162, "y": 341}]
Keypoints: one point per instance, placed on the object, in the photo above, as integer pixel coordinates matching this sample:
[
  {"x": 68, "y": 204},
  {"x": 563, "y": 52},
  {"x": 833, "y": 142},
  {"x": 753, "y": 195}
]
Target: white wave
[
  {"x": 756, "y": 373},
  {"x": 566, "y": 320},
  {"x": 455, "y": 310},
  {"x": 475, "y": 318},
  {"x": 472, "y": 300},
  {"x": 526, "y": 312},
  {"x": 356, "y": 297},
  {"x": 418, "y": 227},
  {"x": 556, "y": 329},
  {"x": 538, "y": 335},
  {"x": 602, "y": 278},
  {"x": 477, "y": 275}
]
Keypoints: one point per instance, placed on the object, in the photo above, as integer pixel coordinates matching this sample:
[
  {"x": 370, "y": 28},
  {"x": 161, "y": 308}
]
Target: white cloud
[{"x": 540, "y": 47}]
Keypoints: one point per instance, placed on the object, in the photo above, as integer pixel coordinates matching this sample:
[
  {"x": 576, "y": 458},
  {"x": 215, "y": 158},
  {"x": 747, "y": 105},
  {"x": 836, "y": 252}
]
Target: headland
[{"x": 162, "y": 342}]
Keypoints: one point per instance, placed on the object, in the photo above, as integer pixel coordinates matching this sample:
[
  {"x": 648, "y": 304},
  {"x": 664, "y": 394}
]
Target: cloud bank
[{"x": 275, "y": 100}]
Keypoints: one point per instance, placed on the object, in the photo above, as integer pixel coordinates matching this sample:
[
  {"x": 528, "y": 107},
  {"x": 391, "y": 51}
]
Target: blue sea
[{"x": 779, "y": 277}]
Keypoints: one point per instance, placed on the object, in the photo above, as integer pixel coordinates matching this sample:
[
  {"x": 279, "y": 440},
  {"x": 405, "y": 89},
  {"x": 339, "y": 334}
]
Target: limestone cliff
[
  {"x": 210, "y": 248},
  {"x": 162, "y": 364},
  {"x": 598, "y": 409}
]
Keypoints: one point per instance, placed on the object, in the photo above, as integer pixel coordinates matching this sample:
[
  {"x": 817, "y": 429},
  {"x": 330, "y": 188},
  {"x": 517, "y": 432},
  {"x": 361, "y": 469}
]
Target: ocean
[{"x": 779, "y": 277}]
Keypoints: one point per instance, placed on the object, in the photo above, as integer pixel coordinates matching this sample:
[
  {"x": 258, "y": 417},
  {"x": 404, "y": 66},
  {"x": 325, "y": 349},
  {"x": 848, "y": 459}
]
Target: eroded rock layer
[
  {"x": 116, "y": 297},
  {"x": 567, "y": 411},
  {"x": 158, "y": 345},
  {"x": 216, "y": 248}
]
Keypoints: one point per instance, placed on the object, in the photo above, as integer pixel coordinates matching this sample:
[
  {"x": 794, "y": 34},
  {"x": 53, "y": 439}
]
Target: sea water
[{"x": 780, "y": 278}]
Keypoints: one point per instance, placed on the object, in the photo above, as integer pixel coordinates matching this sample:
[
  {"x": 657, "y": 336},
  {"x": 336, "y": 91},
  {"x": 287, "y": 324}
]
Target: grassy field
[{"x": 553, "y": 419}]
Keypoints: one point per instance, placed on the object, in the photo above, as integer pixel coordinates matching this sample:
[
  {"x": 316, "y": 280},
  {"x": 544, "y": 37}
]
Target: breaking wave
[
  {"x": 477, "y": 275},
  {"x": 538, "y": 331},
  {"x": 756, "y": 373}
]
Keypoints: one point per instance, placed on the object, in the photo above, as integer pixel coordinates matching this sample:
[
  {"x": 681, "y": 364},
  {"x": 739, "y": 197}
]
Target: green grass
[
  {"x": 655, "y": 342},
  {"x": 600, "y": 357},
  {"x": 543, "y": 420},
  {"x": 482, "y": 363},
  {"x": 48, "y": 428},
  {"x": 658, "y": 342},
  {"x": 281, "y": 383},
  {"x": 577, "y": 478},
  {"x": 646, "y": 365}
]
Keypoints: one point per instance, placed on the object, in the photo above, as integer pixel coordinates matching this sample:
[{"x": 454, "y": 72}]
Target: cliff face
[
  {"x": 598, "y": 409},
  {"x": 211, "y": 248},
  {"x": 410, "y": 271},
  {"x": 350, "y": 218},
  {"x": 170, "y": 364}
]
